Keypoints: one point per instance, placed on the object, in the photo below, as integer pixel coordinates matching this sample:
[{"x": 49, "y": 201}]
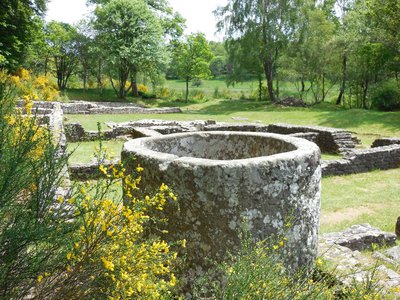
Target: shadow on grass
[{"x": 366, "y": 120}]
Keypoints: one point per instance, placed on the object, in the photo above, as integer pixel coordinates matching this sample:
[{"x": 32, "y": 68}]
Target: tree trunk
[
  {"x": 84, "y": 79},
  {"x": 364, "y": 93},
  {"x": 259, "y": 88},
  {"x": 323, "y": 88},
  {"x": 268, "y": 69},
  {"x": 343, "y": 83},
  {"x": 187, "y": 90},
  {"x": 135, "y": 91},
  {"x": 277, "y": 88}
]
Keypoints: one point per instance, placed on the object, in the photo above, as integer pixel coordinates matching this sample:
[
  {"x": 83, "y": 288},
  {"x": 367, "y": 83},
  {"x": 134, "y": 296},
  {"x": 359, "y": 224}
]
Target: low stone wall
[
  {"x": 359, "y": 161},
  {"x": 89, "y": 171},
  {"x": 76, "y": 133},
  {"x": 385, "y": 142},
  {"x": 329, "y": 140},
  {"x": 50, "y": 114},
  {"x": 83, "y": 107}
]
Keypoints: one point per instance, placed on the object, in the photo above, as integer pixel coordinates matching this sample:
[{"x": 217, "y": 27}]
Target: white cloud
[{"x": 198, "y": 13}]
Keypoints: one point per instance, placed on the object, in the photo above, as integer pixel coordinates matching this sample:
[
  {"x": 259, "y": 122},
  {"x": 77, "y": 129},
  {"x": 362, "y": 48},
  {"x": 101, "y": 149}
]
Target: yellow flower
[
  {"x": 318, "y": 261},
  {"x": 107, "y": 264},
  {"x": 40, "y": 278}
]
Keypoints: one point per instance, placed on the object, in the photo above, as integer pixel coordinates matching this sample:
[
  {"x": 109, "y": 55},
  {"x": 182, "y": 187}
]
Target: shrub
[
  {"x": 197, "y": 94},
  {"x": 34, "y": 88},
  {"x": 164, "y": 92},
  {"x": 142, "y": 88},
  {"x": 385, "y": 95},
  {"x": 84, "y": 245},
  {"x": 224, "y": 94},
  {"x": 32, "y": 236},
  {"x": 196, "y": 82},
  {"x": 110, "y": 253},
  {"x": 257, "y": 272}
]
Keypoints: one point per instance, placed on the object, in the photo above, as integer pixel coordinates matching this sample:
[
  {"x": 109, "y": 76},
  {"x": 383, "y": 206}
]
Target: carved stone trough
[{"x": 223, "y": 179}]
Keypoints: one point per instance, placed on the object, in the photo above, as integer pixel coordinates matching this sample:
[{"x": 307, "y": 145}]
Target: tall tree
[
  {"x": 269, "y": 23},
  {"x": 62, "y": 41},
  {"x": 131, "y": 36},
  {"x": 192, "y": 58},
  {"x": 243, "y": 62},
  {"x": 17, "y": 27}
]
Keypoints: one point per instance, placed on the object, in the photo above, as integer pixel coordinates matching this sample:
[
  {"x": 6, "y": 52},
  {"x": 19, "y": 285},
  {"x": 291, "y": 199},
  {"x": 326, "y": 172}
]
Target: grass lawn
[
  {"x": 84, "y": 152},
  {"x": 368, "y": 125},
  {"x": 372, "y": 198},
  {"x": 209, "y": 89}
]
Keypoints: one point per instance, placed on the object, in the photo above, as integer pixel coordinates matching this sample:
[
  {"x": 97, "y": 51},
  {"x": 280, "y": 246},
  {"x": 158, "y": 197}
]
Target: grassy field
[
  {"x": 366, "y": 124},
  {"x": 208, "y": 89},
  {"x": 84, "y": 152},
  {"x": 362, "y": 198}
]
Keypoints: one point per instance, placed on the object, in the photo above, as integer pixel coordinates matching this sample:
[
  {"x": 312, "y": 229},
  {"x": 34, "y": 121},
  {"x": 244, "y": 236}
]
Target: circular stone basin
[{"x": 225, "y": 179}]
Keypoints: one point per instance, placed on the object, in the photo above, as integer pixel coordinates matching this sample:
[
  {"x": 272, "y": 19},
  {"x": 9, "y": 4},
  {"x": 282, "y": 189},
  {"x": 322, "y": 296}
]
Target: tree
[
  {"x": 17, "y": 27},
  {"x": 84, "y": 43},
  {"x": 62, "y": 40},
  {"x": 131, "y": 36},
  {"x": 243, "y": 62},
  {"x": 269, "y": 24},
  {"x": 218, "y": 63},
  {"x": 192, "y": 58},
  {"x": 311, "y": 53}
]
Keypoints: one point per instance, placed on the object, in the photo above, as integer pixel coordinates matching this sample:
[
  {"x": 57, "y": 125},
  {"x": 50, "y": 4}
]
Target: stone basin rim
[{"x": 303, "y": 148}]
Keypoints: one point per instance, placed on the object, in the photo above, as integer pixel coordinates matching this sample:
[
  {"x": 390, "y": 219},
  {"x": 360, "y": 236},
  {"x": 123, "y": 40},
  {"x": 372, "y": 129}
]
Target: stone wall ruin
[{"x": 329, "y": 139}]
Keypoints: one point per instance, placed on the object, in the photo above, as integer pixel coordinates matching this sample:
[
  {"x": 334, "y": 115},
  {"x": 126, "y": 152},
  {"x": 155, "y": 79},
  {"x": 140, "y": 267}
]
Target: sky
[{"x": 198, "y": 13}]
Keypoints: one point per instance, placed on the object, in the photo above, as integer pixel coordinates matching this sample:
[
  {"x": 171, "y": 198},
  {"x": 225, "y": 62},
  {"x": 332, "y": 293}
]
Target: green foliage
[
  {"x": 62, "y": 42},
  {"x": 192, "y": 58},
  {"x": 17, "y": 30},
  {"x": 257, "y": 272},
  {"x": 130, "y": 35},
  {"x": 86, "y": 243},
  {"x": 264, "y": 26},
  {"x": 386, "y": 95},
  {"x": 32, "y": 236}
]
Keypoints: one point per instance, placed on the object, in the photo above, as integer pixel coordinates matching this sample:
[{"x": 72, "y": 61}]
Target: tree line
[{"x": 351, "y": 46}]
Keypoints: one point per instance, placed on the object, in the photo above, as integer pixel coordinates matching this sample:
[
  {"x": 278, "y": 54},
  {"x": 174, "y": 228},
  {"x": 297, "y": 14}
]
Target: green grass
[
  {"x": 84, "y": 152},
  {"x": 367, "y": 124},
  {"x": 326, "y": 156},
  {"x": 361, "y": 198},
  {"x": 208, "y": 89}
]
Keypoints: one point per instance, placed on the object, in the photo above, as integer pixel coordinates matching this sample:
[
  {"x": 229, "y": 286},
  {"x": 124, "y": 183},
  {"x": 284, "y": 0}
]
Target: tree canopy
[
  {"x": 131, "y": 36},
  {"x": 17, "y": 29},
  {"x": 192, "y": 58}
]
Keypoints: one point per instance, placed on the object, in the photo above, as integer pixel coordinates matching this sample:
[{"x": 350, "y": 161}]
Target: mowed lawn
[{"x": 361, "y": 198}]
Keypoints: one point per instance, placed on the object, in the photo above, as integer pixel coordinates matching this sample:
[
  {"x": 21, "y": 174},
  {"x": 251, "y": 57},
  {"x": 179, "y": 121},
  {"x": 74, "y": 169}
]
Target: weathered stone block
[{"x": 360, "y": 237}]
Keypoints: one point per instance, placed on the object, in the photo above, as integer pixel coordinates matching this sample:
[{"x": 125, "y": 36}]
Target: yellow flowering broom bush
[
  {"x": 111, "y": 256},
  {"x": 31, "y": 234},
  {"x": 30, "y": 87},
  {"x": 86, "y": 245}
]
